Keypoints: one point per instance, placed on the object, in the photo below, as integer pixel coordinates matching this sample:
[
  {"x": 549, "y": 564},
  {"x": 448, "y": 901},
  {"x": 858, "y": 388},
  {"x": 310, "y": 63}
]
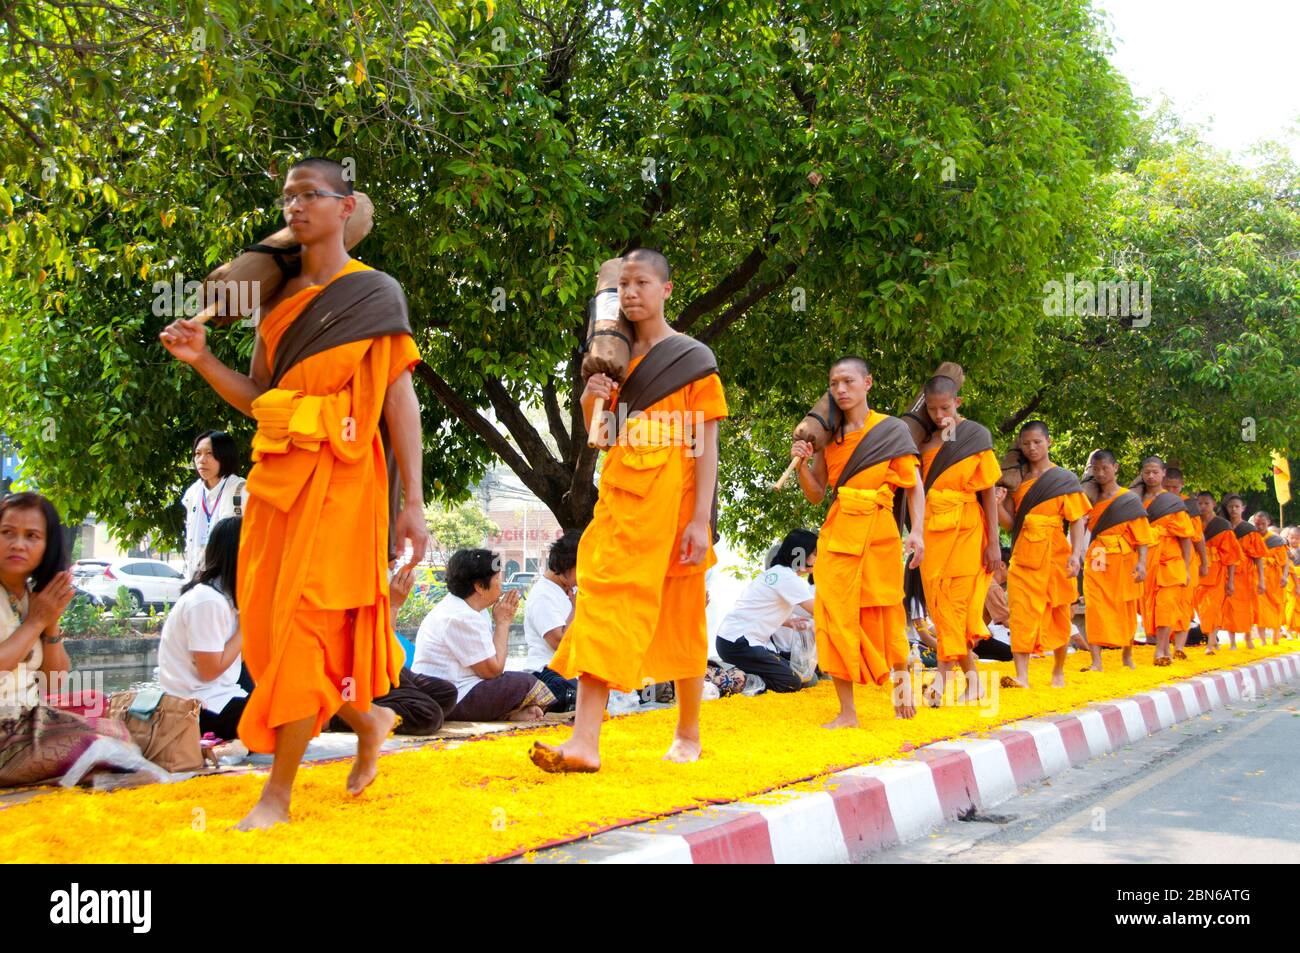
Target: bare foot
[
  {"x": 1092, "y": 668},
  {"x": 531, "y": 713},
  {"x": 973, "y": 692},
  {"x": 843, "y": 721},
  {"x": 1009, "y": 681},
  {"x": 683, "y": 751},
  {"x": 567, "y": 758},
  {"x": 1180, "y": 654},
  {"x": 365, "y": 766},
  {"x": 1210, "y": 652},
  {"x": 1058, "y": 679},
  {"x": 263, "y": 815},
  {"x": 1163, "y": 662}
]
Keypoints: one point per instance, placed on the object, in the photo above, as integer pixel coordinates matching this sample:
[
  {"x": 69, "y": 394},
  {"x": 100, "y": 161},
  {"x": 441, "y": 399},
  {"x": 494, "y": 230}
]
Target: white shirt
[
  {"x": 20, "y": 686},
  {"x": 452, "y": 638},
  {"x": 783, "y": 638},
  {"x": 764, "y": 606},
  {"x": 202, "y": 620},
  {"x": 225, "y": 499},
  {"x": 546, "y": 608}
]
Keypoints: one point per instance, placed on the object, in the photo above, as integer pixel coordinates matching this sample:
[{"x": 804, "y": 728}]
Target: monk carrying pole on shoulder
[
  {"x": 639, "y": 618},
  {"x": 331, "y": 372}
]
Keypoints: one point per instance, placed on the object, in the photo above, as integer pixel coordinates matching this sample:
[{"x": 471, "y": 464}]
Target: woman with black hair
[
  {"x": 745, "y": 636},
  {"x": 199, "y": 652},
  {"x": 216, "y": 495},
  {"x": 37, "y": 742}
]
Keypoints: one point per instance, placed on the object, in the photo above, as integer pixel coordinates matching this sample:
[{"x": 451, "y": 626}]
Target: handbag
[{"x": 165, "y": 727}]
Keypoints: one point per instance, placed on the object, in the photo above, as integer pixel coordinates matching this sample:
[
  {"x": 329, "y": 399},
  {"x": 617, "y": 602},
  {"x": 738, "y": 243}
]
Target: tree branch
[
  {"x": 551, "y": 401},
  {"x": 737, "y": 310},
  {"x": 530, "y": 441},
  {"x": 475, "y": 421},
  {"x": 17, "y": 121},
  {"x": 1021, "y": 415},
  {"x": 724, "y": 289}
]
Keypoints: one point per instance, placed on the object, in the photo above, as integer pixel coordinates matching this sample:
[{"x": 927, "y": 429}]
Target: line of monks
[{"x": 330, "y": 388}]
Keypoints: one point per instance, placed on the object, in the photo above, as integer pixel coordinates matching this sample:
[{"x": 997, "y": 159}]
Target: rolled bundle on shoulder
[
  {"x": 1013, "y": 466},
  {"x": 608, "y": 348},
  {"x": 237, "y": 288}
]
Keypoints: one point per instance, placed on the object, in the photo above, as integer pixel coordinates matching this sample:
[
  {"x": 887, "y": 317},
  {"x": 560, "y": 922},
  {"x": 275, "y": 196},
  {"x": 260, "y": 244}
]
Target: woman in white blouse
[{"x": 217, "y": 494}]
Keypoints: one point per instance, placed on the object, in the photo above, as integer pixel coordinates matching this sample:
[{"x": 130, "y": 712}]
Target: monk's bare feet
[
  {"x": 267, "y": 812},
  {"x": 1094, "y": 667},
  {"x": 1010, "y": 681},
  {"x": 973, "y": 693},
  {"x": 531, "y": 713},
  {"x": 1058, "y": 679},
  {"x": 843, "y": 720},
  {"x": 683, "y": 750},
  {"x": 1211, "y": 652},
  {"x": 365, "y": 766},
  {"x": 568, "y": 758},
  {"x": 1180, "y": 654},
  {"x": 1163, "y": 662}
]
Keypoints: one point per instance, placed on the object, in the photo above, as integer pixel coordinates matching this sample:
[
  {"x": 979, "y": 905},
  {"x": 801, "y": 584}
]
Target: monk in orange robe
[
  {"x": 1292, "y": 536},
  {"x": 639, "y": 618},
  {"x": 1240, "y": 609},
  {"x": 1116, "y": 564},
  {"x": 1223, "y": 555},
  {"x": 1171, "y": 554},
  {"x": 1272, "y": 604},
  {"x": 313, "y": 585},
  {"x": 1041, "y": 584},
  {"x": 858, "y": 613},
  {"x": 1196, "y": 569},
  {"x": 962, "y": 550}
]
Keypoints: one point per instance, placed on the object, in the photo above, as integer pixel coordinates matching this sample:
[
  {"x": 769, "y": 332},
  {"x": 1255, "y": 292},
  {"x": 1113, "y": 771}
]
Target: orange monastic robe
[
  {"x": 1166, "y": 571},
  {"x": 1212, "y": 589},
  {"x": 1240, "y": 608},
  {"x": 313, "y": 567},
  {"x": 1272, "y": 603},
  {"x": 858, "y": 610},
  {"x": 639, "y": 617},
  {"x": 1039, "y": 587},
  {"x": 956, "y": 534},
  {"x": 1293, "y": 598},
  {"x": 1110, "y": 594},
  {"x": 1187, "y": 596}
]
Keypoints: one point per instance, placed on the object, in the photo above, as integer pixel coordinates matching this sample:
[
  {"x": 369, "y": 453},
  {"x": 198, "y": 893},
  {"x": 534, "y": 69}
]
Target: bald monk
[
  {"x": 1196, "y": 569},
  {"x": 331, "y": 364},
  {"x": 1264, "y": 523},
  {"x": 1116, "y": 565},
  {"x": 858, "y": 611},
  {"x": 1240, "y": 609},
  {"x": 1292, "y": 536},
  {"x": 1171, "y": 554},
  {"x": 1223, "y": 555},
  {"x": 1272, "y": 602},
  {"x": 639, "y": 618},
  {"x": 1041, "y": 584},
  {"x": 962, "y": 550}
]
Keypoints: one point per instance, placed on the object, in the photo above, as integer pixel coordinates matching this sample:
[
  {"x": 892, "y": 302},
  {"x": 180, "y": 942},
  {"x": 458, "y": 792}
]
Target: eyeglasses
[{"x": 306, "y": 198}]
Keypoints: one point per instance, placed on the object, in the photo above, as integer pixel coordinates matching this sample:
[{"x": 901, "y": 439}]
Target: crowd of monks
[{"x": 338, "y": 427}]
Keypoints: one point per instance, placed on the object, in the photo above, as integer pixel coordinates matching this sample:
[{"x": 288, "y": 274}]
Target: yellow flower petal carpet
[{"x": 484, "y": 800}]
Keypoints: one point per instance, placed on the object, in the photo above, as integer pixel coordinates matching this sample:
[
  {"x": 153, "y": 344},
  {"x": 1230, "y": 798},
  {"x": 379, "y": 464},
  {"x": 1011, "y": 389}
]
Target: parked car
[
  {"x": 520, "y": 580},
  {"x": 83, "y": 569},
  {"x": 150, "y": 582}
]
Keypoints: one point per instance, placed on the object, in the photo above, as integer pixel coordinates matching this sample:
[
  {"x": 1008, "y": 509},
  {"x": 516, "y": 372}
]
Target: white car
[{"x": 151, "y": 582}]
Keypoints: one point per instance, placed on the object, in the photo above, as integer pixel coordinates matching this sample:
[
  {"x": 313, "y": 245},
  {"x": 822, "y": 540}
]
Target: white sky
[{"x": 1230, "y": 65}]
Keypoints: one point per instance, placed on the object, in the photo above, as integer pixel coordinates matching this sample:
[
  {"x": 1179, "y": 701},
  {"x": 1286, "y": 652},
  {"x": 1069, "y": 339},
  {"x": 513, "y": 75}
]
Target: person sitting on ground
[
  {"x": 745, "y": 637},
  {"x": 38, "y": 742},
  {"x": 547, "y": 614},
  {"x": 199, "y": 652},
  {"x": 997, "y": 616},
  {"x": 457, "y": 642}
]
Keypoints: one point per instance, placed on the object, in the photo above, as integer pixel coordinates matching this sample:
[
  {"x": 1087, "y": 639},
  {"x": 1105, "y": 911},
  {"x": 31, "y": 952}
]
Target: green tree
[
  {"x": 460, "y": 527},
  {"x": 893, "y": 177}
]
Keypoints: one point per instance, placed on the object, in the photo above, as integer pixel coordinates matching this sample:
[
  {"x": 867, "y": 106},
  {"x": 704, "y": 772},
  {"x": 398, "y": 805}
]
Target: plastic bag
[
  {"x": 754, "y": 685},
  {"x": 623, "y": 702},
  {"x": 803, "y": 655},
  {"x": 711, "y": 692},
  {"x": 122, "y": 755}
]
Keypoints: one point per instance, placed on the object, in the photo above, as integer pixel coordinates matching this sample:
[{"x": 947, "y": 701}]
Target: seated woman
[
  {"x": 548, "y": 614},
  {"x": 457, "y": 642},
  {"x": 745, "y": 636},
  {"x": 199, "y": 652},
  {"x": 37, "y": 742}
]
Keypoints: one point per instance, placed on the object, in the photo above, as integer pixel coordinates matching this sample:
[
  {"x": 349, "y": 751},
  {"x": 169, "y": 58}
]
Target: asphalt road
[{"x": 1223, "y": 788}]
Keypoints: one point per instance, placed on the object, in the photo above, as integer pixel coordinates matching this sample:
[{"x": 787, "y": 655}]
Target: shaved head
[
  {"x": 1035, "y": 425},
  {"x": 1103, "y": 456},
  {"x": 655, "y": 260},
  {"x": 1173, "y": 473},
  {"x": 941, "y": 386},
  {"x": 859, "y": 362},
  {"x": 333, "y": 172}
]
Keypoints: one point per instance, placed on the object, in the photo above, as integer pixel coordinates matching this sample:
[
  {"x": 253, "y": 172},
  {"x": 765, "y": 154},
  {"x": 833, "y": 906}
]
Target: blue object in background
[{"x": 409, "y": 648}]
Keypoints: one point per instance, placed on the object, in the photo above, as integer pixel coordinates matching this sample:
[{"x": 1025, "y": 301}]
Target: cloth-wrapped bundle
[
  {"x": 266, "y": 266},
  {"x": 608, "y": 349}
]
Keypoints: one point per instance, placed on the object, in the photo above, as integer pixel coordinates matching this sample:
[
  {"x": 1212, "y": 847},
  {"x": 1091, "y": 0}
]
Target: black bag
[{"x": 422, "y": 701}]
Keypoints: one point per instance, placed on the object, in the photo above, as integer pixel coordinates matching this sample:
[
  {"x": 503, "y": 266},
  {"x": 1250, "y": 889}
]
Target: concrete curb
[{"x": 866, "y": 809}]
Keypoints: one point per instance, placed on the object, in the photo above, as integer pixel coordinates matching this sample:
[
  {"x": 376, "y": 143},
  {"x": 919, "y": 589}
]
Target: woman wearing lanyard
[{"x": 215, "y": 495}]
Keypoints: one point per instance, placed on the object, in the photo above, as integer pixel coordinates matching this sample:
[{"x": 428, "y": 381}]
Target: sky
[{"x": 1229, "y": 64}]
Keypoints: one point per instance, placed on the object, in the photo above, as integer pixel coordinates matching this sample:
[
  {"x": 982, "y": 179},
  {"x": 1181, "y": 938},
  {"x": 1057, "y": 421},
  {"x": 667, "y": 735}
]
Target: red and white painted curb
[{"x": 866, "y": 809}]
